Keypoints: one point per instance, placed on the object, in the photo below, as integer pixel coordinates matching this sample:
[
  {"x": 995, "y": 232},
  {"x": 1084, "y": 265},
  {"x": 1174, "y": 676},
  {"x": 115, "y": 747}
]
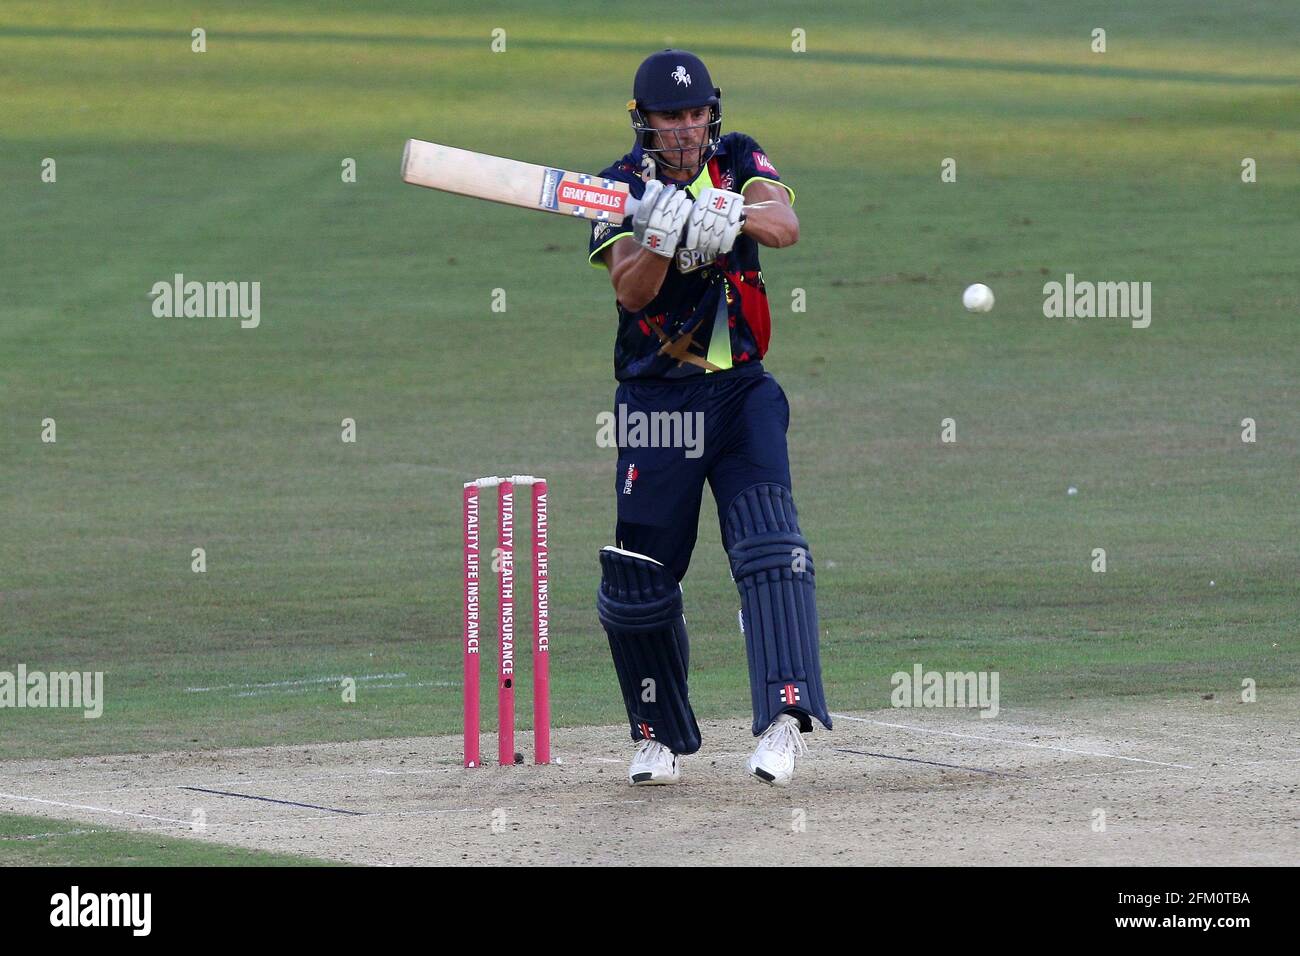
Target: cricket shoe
[
  {"x": 774, "y": 758},
  {"x": 653, "y": 764}
]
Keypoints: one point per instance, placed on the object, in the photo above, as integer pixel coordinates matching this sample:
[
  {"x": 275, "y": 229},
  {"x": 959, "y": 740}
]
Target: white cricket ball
[
  {"x": 1072, "y": 491},
  {"x": 977, "y": 298}
]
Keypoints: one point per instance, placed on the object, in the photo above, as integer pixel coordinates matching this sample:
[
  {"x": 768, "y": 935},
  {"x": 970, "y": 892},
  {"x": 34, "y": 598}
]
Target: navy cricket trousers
[{"x": 725, "y": 427}]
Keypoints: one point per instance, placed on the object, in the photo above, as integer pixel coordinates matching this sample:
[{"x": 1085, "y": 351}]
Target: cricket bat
[
  {"x": 514, "y": 183},
  {"x": 528, "y": 186}
]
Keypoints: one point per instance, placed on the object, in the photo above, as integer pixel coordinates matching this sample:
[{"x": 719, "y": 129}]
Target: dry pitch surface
[{"x": 1181, "y": 782}]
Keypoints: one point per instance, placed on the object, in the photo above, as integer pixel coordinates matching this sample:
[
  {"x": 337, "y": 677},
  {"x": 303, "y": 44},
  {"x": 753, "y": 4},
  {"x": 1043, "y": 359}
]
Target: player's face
[{"x": 682, "y": 133}]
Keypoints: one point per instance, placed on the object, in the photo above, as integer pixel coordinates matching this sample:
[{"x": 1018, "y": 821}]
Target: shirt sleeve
[
  {"x": 605, "y": 234},
  {"x": 753, "y": 163}
]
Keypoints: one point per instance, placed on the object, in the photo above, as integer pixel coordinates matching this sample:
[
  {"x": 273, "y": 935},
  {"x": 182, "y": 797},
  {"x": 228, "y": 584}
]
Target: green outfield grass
[
  {"x": 329, "y": 560},
  {"x": 36, "y": 841}
]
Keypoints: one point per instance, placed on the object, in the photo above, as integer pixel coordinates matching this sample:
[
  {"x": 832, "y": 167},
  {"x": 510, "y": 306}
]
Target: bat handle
[{"x": 632, "y": 203}]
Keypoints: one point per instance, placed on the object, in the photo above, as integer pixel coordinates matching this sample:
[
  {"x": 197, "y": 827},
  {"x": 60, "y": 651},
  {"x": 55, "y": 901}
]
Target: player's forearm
[
  {"x": 637, "y": 278},
  {"x": 773, "y": 226}
]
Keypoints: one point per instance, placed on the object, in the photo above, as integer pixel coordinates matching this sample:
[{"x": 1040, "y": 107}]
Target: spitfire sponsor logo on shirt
[
  {"x": 688, "y": 260},
  {"x": 763, "y": 163},
  {"x": 631, "y": 476}
]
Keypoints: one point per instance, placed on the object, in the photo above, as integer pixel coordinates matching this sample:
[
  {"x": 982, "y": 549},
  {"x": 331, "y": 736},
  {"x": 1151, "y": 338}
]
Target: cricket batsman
[{"x": 693, "y": 326}]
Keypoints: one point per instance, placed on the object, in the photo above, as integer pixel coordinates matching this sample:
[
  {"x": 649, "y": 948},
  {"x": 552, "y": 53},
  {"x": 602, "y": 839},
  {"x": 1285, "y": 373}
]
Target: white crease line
[
  {"x": 308, "y": 690},
  {"x": 296, "y": 683},
  {"x": 1015, "y": 743},
  {"x": 82, "y": 806}
]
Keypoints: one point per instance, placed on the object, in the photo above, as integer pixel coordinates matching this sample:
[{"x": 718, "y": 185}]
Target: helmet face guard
[{"x": 671, "y": 139}]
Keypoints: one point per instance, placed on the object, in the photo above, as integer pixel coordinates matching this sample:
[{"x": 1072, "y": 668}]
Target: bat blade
[{"x": 514, "y": 183}]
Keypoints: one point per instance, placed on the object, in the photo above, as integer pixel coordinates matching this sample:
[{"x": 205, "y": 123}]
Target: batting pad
[
  {"x": 639, "y": 603},
  {"x": 773, "y": 569}
]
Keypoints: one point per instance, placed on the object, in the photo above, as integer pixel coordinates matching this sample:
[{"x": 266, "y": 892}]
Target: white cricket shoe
[
  {"x": 653, "y": 764},
  {"x": 774, "y": 758}
]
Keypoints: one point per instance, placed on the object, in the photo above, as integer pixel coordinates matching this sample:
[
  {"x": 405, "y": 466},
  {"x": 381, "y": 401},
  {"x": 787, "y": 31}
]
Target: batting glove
[
  {"x": 714, "y": 223},
  {"x": 660, "y": 218}
]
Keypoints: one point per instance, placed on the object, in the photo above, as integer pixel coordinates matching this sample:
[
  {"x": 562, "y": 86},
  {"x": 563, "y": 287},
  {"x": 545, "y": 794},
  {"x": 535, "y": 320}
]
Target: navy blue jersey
[{"x": 713, "y": 318}]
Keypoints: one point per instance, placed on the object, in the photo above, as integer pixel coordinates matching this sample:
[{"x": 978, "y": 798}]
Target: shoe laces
[
  {"x": 785, "y": 736},
  {"x": 648, "y": 750}
]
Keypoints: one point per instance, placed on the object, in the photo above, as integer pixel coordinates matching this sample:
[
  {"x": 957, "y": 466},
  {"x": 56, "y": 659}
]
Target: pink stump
[
  {"x": 506, "y": 624},
  {"x": 541, "y": 626},
  {"x": 471, "y": 625}
]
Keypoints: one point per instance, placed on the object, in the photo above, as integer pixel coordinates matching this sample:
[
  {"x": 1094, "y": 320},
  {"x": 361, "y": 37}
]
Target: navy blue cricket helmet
[{"x": 674, "y": 80}]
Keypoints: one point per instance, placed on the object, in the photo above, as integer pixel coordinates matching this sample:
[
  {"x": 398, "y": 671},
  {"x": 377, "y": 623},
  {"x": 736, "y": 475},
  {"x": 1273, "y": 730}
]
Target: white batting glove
[
  {"x": 715, "y": 223},
  {"x": 660, "y": 217}
]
